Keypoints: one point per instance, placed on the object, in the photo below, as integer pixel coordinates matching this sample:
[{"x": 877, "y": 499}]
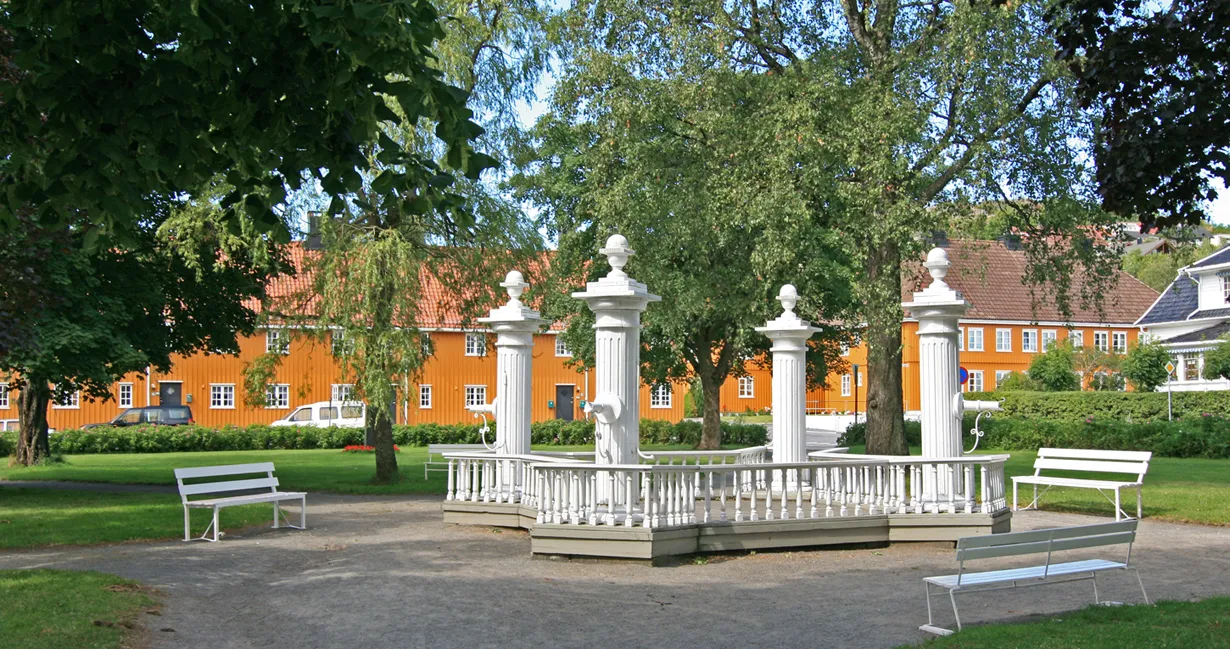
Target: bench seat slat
[
  {"x": 244, "y": 500},
  {"x": 1073, "y": 482},
  {"x": 1094, "y": 454},
  {"x": 229, "y": 485},
  {"x": 222, "y": 470},
  {"x": 1022, "y": 574},
  {"x": 1091, "y": 465}
]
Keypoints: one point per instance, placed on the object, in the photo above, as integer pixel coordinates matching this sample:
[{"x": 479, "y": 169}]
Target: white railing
[
  {"x": 485, "y": 477},
  {"x": 667, "y": 495},
  {"x": 750, "y": 455}
]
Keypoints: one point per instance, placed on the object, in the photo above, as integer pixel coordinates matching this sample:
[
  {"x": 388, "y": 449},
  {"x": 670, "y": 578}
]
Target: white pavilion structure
[{"x": 623, "y": 502}]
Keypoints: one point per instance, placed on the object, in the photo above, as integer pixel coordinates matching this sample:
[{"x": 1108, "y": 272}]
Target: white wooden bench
[
  {"x": 1086, "y": 460},
  {"x": 1048, "y": 541},
  {"x": 435, "y": 455},
  {"x": 265, "y": 490}
]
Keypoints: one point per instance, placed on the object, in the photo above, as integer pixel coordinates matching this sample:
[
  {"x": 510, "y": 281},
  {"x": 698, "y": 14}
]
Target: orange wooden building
[{"x": 1002, "y": 333}]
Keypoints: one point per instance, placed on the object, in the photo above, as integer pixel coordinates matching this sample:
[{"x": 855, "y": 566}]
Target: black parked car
[{"x": 161, "y": 415}]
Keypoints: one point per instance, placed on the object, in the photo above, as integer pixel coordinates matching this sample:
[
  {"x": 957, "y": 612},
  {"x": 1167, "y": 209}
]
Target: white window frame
[
  {"x": 338, "y": 392},
  {"x": 425, "y": 343},
  {"x": 561, "y": 347},
  {"x": 656, "y": 393},
  {"x": 1104, "y": 345},
  {"x": 970, "y": 339},
  {"x": 1025, "y": 334},
  {"x": 4, "y": 396},
  {"x": 980, "y": 377},
  {"x": 747, "y": 387},
  {"x": 425, "y": 396},
  {"x": 274, "y": 343},
  {"x": 1047, "y": 338},
  {"x": 1077, "y": 338},
  {"x": 476, "y": 344},
  {"x": 219, "y": 396},
  {"x": 1003, "y": 340},
  {"x": 476, "y": 395},
  {"x": 1115, "y": 337},
  {"x": 120, "y": 401},
  {"x": 1225, "y": 287},
  {"x": 72, "y": 401},
  {"x": 1000, "y": 375},
  {"x": 845, "y": 349},
  {"x": 337, "y": 340},
  {"x": 960, "y": 339},
  {"x": 847, "y": 383},
  {"x": 272, "y": 400}
]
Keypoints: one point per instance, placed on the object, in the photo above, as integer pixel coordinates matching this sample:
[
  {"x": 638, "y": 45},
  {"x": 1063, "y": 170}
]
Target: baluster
[
  {"x": 708, "y": 491},
  {"x": 785, "y": 491},
  {"x": 451, "y": 466},
  {"x": 812, "y": 475},
  {"x": 474, "y": 477},
  {"x": 843, "y": 475},
  {"x": 739, "y": 499},
  {"x": 647, "y": 480},
  {"x": 950, "y": 472},
  {"x": 629, "y": 501},
  {"x": 693, "y": 480},
  {"x": 768, "y": 494},
  {"x": 722, "y": 512},
  {"x": 798, "y": 492}
]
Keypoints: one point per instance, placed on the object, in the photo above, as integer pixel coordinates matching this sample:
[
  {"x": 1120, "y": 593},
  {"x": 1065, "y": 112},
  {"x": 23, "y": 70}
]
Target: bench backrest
[
  {"x": 1080, "y": 459},
  {"x": 1050, "y": 540},
  {"x": 267, "y": 483}
]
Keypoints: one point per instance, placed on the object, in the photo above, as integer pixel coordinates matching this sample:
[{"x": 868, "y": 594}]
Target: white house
[{"x": 1190, "y": 316}]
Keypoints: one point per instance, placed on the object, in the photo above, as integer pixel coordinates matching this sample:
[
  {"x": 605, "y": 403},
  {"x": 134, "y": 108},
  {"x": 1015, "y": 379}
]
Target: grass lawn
[
  {"x": 53, "y": 609},
  {"x": 1168, "y": 625}
]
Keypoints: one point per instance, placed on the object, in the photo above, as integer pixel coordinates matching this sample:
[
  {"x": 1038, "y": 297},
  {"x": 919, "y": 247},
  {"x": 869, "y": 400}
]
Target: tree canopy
[
  {"x": 1145, "y": 366},
  {"x": 1054, "y": 370}
]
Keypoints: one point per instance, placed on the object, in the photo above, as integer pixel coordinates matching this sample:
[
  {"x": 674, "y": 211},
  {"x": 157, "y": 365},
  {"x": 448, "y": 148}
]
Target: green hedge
[
  {"x": 856, "y": 434},
  {"x": 170, "y": 439},
  {"x": 1118, "y": 406}
]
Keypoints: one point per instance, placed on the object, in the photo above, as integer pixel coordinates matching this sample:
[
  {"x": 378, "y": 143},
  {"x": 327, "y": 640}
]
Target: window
[
  {"x": 1225, "y": 287},
  {"x": 276, "y": 342},
  {"x": 660, "y": 396},
  {"x": 1101, "y": 341},
  {"x": 340, "y": 345},
  {"x": 846, "y": 382},
  {"x": 342, "y": 392},
  {"x": 561, "y": 347},
  {"x": 131, "y": 417},
  {"x": 352, "y": 412},
  {"x": 425, "y": 396},
  {"x": 328, "y": 413},
  {"x": 277, "y": 395},
  {"x": 747, "y": 387},
  {"x": 974, "y": 339},
  {"x": 845, "y": 349},
  {"x": 125, "y": 395},
  {"x": 476, "y": 395},
  {"x": 1119, "y": 342},
  {"x": 425, "y": 344},
  {"x": 1001, "y": 376},
  {"x": 1003, "y": 340},
  {"x": 1077, "y": 338},
  {"x": 974, "y": 384},
  {"x": 4, "y": 396},
  {"x": 68, "y": 400},
  {"x": 476, "y": 345},
  {"x": 1048, "y": 339},
  {"x": 222, "y": 395},
  {"x": 1191, "y": 368},
  {"x": 1029, "y": 341},
  {"x": 961, "y": 339},
  {"x": 302, "y": 414}
]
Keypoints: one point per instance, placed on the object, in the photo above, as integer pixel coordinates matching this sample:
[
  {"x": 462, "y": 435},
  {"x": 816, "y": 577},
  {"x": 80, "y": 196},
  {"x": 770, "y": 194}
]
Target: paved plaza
[{"x": 386, "y": 572}]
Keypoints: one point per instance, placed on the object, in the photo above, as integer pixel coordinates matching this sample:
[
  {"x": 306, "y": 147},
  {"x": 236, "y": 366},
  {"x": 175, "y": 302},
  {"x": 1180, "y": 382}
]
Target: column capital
[{"x": 616, "y": 291}]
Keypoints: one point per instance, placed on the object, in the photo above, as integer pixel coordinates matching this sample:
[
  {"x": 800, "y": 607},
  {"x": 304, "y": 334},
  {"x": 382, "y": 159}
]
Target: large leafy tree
[
  {"x": 1145, "y": 366},
  {"x": 676, "y": 165},
  {"x": 1054, "y": 371},
  {"x": 910, "y": 112},
  {"x": 1155, "y": 72}
]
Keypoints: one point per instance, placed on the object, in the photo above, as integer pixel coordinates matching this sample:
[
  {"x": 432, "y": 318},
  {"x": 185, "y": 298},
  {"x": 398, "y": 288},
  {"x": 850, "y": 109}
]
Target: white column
[
  {"x": 938, "y": 309},
  {"x": 617, "y": 302},
  {"x": 515, "y": 325},
  {"x": 789, "y": 334}
]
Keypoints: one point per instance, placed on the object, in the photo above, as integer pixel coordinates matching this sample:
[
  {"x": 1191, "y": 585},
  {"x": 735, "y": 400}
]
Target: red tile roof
[{"x": 990, "y": 276}]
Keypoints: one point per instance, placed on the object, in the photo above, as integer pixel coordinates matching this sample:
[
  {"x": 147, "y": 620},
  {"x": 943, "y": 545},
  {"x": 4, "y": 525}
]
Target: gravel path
[{"x": 386, "y": 572}]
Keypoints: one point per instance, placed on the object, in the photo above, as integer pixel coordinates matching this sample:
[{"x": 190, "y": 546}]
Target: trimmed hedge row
[
  {"x": 171, "y": 439},
  {"x": 1131, "y": 407},
  {"x": 1201, "y": 436}
]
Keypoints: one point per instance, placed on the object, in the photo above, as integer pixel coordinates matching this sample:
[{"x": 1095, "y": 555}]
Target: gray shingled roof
[
  {"x": 1220, "y": 257},
  {"x": 1202, "y": 335},
  {"x": 1178, "y": 301}
]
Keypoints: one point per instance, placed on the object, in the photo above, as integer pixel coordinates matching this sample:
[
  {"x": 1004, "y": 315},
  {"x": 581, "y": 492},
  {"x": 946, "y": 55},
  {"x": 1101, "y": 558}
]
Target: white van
[{"x": 326, "y": 413}]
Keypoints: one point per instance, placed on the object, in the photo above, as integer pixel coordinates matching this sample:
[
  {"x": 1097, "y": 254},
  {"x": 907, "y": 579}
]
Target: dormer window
[{"x": 1225, "y": 286}]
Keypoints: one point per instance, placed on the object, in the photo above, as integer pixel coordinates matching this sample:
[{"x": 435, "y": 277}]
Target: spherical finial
[
  {"x": 788, "y": 296},
  {"x": 617, "y": 253},
  {"x": 515, "y": 284},
  {"x": 937, "y": 263}
]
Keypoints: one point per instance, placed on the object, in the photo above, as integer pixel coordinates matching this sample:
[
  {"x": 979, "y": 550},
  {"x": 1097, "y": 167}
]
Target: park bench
[
  {"x": 1086, "y": 460},
  {"x": 1048, "y": 541},
  {"x": 260, "y": 490},
  {"x": 435, "y": 455}
]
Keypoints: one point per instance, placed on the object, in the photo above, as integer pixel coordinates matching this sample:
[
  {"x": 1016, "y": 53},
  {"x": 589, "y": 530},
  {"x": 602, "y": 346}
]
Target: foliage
[
  {"x": 91, "y": 609},
  {"x": 1217, "y": 361},
  {"x": 1205, "y": 436},
  {"x": 856, "y": 434},
  {"x": 1018, "y": 382},
  {"x": 1152, "y": 73},
  {"x": 1159, "y": 270},
  {"x": 1145, "y": 366},
  {"x": 118, "y": 104},
  {"x": 1121, "y": 406},
  {"x": 1053, "y": 370},
  {"x": 177, "y": 439},
  {"x": 1107, "y": 382}
]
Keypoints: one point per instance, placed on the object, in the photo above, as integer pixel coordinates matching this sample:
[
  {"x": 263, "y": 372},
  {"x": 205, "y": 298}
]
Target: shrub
[
  {"x": 1201, "y": 436},
  {"x": 1145, "y": 366},
  {"x": 1116, "y": 406},
  {"x": 856, "y": 434},
  {"x": 1054, "y": 370}
]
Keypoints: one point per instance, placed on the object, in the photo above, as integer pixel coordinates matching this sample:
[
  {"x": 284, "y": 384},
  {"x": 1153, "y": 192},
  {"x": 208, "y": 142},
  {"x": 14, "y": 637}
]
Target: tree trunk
[
  {"x": 380, "y": 431},
  {"x": 32, "y": 444},
  {"x": 885, "y": 410},
  {"x": 711, "y": 429}
]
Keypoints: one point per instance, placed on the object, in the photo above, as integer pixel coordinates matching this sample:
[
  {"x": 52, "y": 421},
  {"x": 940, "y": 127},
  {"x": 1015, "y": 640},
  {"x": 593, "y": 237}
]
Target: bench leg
[
  {"x": 1142, "y": 585},
  {"x": 1118, "y": 510},
  {"x": 1094, "y": 577},
  {"x": 952, "y": 595},
  {"x": 930, "y": 621},
  {"x": 215, "y": 523},
  {"x": 1139, "y": 514},
  {"x": 303, "y": 513},
  {"x": 1034, "y": 504},
  {"x": 1016, "y": 489},
  {"x": 277, "y": 513}
]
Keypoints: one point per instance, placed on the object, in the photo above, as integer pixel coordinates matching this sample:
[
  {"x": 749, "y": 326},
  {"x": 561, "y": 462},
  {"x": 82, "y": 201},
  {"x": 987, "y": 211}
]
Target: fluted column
[
  {"x": 789, "y": 334},
  {"x": 515, "y": 325}
]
